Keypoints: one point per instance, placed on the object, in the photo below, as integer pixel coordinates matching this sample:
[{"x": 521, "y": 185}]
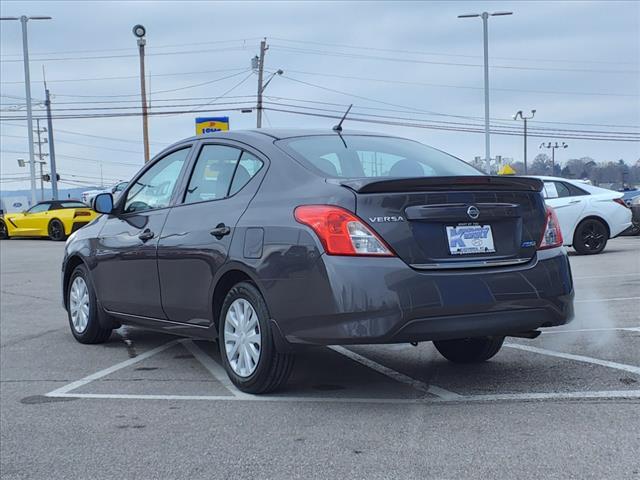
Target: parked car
[
  {"x": 589, "y": 216},
  {"x": 635, "y": 212},
  {"x": 55, "y": 219},
  {"x": 89, "y": 195},
  {"x": 273, "y": 240},
  {"x": 629, "y": 195}
]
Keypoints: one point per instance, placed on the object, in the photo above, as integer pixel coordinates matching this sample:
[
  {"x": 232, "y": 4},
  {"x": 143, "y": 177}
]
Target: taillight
[
  {"x": 620, "y": 201},
  {"x": 552, "y": 236},
  {"x": 341, "y": 232},
  {"x": 81, "y": 213}
]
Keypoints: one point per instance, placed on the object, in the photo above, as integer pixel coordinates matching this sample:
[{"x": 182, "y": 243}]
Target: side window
[
  {"x": 575, "y": 191},
  {"x": 155, "y": 187},
  {"x": 39, "y": 208},
  {"x": 247, "y": 168},
  {"x": 562, "y": 190},
  {"x": 212, "y": 173},
  {"x": 550, "y": 190}
]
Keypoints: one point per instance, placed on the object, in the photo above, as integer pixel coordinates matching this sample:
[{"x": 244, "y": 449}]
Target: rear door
[
  {"x": 126, "y": 271},
  {"x": 568, "y": 204},
  {"x": 197, "y": 236}
]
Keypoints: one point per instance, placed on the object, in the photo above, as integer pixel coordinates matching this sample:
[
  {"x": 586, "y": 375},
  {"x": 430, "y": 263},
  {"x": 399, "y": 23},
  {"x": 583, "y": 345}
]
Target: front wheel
[
  {"x": 82, "y": 309},
  {"x": 469, "y": 350},
  {"x": 246, "y": 344},
  {"x": 56, "y": 230},
  {"x": 591, "y": 237}
]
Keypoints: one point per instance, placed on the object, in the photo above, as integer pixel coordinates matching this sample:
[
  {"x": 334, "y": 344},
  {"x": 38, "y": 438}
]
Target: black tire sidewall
[
  {"x": 249, "y": 292},
  {"x": 579, "y": 245},
  {"x": 93, "y": 330},
  {"x": 4, "y": 233},
  {"x": 62, "y": 237}
]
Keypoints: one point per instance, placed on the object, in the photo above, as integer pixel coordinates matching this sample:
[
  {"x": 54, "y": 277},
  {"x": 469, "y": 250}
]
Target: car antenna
[{"x": 338, "y": 127}]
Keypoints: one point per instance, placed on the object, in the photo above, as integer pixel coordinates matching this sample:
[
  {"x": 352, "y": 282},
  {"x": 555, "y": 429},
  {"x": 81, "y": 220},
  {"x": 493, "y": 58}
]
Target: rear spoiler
[{"x": 419, "y": 184}]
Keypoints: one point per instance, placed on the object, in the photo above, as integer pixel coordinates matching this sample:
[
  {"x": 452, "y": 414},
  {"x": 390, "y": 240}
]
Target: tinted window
[
  {"x": 247, "y": 168},
  {"x": 72, "y": 205},
  {"x": 369, "y": 156},
  {"x": 155, "y": 187},
  {"x": 575, "y": 191},
  {"x": 40, "y": 207},
  {"x": 212, "y": 173},
  {"x": 121, "y": 186},
  {"x": 562, "y": 189}
]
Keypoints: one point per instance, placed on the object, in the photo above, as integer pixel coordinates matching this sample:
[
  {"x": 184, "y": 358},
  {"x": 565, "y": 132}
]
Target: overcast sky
[{"x": 574, "y": 62}]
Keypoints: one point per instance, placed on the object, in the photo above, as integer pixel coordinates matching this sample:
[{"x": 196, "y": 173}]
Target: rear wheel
[
  {"x": 82, "y": 309},
  {"x": 469, "y": 350},
  {"x": 591, "y": 237},
  {"x": 56, "y": 230},
  {"x": 4, "y": 231},
  {"x": 246, "y": 344}
]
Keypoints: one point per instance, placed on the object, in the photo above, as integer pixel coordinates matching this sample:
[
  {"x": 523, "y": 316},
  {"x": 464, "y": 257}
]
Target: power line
[
  {"x": 440, "y": 54},
  {"x": 288, "y": 49}
]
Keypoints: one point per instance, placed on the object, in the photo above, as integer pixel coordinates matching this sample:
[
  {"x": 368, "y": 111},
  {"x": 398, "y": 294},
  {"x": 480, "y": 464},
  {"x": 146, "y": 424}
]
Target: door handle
[
  {"x": 574, "y": 201},
  {"x": 146, "y": 235},
  {"x": 220, "y": 231}
]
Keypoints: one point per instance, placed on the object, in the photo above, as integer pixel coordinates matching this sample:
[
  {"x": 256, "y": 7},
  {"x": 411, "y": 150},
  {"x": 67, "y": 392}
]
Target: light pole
[
  {"x": 27, "y": 87},
  {"x": 553, "y": 147},
  {"x": 515, "y": 117},
  {"x": 485, "y": 28},
  {"x": 139, "y": 31}
]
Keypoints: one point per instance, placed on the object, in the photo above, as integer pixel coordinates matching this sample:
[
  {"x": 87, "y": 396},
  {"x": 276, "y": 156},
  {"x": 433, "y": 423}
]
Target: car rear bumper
[{"x": 382, "y": 300}]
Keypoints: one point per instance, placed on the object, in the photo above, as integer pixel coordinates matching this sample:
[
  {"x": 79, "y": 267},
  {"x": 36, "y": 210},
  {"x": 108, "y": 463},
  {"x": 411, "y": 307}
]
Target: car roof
[{"x": 278, "y": 134}]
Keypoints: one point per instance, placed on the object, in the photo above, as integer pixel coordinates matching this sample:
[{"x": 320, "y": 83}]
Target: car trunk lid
[{"x": 454, "y": 222}]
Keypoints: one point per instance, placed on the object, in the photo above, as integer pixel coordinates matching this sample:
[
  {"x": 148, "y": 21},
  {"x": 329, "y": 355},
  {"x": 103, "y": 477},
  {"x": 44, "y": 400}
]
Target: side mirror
[{"x": 103, "y": 203}]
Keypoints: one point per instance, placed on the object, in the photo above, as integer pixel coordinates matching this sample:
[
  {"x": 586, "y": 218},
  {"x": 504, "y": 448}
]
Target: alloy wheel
[
  {"x": 55, "y": 230},
  {"x": 79, "y": 304},
  {"x": 242, "y": 339},
  {"x": 593, "y": 235}
]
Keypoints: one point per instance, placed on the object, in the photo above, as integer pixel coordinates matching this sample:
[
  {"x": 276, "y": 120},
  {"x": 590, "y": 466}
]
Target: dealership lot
[{"x": 147, "y": 405}]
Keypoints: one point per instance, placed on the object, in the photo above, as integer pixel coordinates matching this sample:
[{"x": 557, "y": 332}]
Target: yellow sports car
[{"x": 55, "y": 219}]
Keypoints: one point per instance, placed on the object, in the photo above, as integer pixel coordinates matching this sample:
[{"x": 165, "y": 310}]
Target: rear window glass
[
  {"x": 356, "y": 156},
  {"x": 72, "y": 205}
]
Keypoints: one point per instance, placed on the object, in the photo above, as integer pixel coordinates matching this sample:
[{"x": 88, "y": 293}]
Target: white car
[
  {"x": 115, "y": 191},
  {"x": 589, "y": 216}
]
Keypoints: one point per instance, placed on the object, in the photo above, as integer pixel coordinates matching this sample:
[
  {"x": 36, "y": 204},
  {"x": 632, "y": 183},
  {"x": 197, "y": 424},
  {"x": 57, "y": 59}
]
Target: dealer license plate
[{"x": 469, "y": 239}]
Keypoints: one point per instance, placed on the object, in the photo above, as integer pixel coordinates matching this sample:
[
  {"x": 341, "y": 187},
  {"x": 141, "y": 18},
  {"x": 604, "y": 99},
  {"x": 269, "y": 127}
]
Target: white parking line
[
  {"x": 577, "y": 358},
  {"x": 617, "y": 299},
  {"x": 586, "y": 330},
  {"x": 107, "y": 371},
  {"x": 397, "y": 376},
  {"x": 584, "y": 277},
  {"x": 589, "y": 395}
]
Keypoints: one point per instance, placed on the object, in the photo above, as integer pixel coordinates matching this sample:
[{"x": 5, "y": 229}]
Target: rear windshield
[{"x": 357, "y": 156}]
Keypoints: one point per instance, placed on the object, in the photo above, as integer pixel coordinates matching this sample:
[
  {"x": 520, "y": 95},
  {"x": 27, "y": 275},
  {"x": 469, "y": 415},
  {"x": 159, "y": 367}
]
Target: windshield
[{"x": 357, "y": 156}]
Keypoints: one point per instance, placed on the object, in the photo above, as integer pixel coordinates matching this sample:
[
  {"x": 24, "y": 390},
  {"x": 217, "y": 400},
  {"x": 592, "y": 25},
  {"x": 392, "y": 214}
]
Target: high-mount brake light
[
  {"x": 552, "y": 236},
  {"x": 341, "y": 232}
]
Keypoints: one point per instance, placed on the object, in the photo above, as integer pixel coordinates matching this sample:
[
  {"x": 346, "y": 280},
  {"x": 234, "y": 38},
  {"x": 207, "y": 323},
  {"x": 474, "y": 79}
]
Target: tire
[
  {"x": 246, "y": 343},
  {"x": 84, "y": 329},
  {"x": 4, "y": 231},
  {"x": 590, "y": 237},
  {"x": 56, "y": 230},
  {"x": 469, "y": 350}
]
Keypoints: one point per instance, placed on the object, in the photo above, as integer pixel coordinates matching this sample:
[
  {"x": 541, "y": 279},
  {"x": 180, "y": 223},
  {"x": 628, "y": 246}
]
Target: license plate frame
[{"x": 469, "y": 239}]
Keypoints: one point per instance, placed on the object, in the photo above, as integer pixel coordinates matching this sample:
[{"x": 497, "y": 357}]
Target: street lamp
[
  {"x": 27, "y": 87},
  {"x": 485, "y": 16},
  {"x": 515, "y": 117},
  {"x": 553, "y": 152},
  {"x": 139, "y": 32}
]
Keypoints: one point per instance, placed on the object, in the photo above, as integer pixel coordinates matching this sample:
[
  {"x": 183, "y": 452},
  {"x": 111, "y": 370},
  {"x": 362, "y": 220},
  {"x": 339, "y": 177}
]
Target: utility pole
[
  {"x": 52, "y": 151},
  {"x": 139, "y": 31},
  {"x": 485, "y": 31},
  {"x": 27, "y": 87},
  {"x": 515, "y": 117},
  {"x": 553, "y": 147},
  {"x": 41, "y": 155},
  {"x": 263, "y": 50}
]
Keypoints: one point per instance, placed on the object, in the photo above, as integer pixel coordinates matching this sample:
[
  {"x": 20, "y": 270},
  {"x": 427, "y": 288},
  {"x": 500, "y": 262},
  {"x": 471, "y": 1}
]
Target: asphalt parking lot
[{"x": 146, "y": 405}]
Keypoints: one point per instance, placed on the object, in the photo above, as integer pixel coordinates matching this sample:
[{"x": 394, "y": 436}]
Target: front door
[
  {"x": 197, "y": 236},
  {"x": 568, "y": 207},
  {"x": 126, "y": 271}
]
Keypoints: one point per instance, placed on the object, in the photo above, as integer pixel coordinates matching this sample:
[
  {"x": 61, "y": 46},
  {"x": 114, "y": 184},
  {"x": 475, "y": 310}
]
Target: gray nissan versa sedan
[{"x": 271, "y": 240}]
